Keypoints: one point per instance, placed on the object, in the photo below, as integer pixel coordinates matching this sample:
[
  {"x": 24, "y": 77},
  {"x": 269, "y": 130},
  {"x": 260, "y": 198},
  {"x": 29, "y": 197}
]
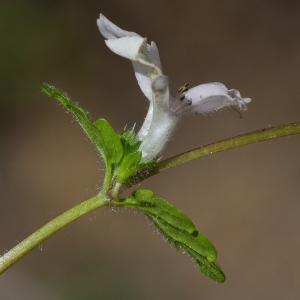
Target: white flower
[{"x": 164, "y": 110}]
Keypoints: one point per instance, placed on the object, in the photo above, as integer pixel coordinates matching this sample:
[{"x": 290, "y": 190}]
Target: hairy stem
[
  {"x": 230, "y": 143},
  {"x": 24, "y": 247},
  {"x": 11, "y": 257}
]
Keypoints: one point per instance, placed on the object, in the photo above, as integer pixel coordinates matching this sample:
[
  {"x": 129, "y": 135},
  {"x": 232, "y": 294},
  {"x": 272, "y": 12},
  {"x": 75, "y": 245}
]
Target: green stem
[
  {"x": 107, "y": 178},
  {"x": 116, "y": 191},
  {"x": 24, "y": 247},
  {"x": 11, "y": 257},
  {"x": 230, "y": 143}
]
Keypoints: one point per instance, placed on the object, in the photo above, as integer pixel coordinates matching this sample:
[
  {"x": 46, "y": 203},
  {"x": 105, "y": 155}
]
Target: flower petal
[
  {"x": 160, "y": 87},
  {"x": 162, "y": 127},
  {"x": 144, "y": 57},
  {"x": 110, "y": 30},
  {"x": 128, "y": 47},
  {"x": 160, "y": 90},
  {"x": 162, "y": 124},
  {"x": 154, "y": 56},
  {"x": 142, "y": 74},
  {"x": 146, "y": 125},
  {"x": 207, "y": 98}
]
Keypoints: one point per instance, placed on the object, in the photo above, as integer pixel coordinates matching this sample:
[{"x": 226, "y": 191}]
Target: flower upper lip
[
  {"x": 164, "y": 110},
  {"x": 144, "y": 57}
]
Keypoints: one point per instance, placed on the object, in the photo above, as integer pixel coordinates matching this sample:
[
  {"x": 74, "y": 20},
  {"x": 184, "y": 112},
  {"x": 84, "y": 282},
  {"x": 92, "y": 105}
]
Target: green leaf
[
  {"x": 195, "y": 241},
  {"x": 209, "y": 269},
  {"x": 143, "y": 195},
  {"x": 144, "y": 201},
  {"x": 130, "y": 145},
  {"x": 128, "y": 141},
  {"x": 163, "y": 209},
  {"x": 129, "y": 166},
  {"x": 111, "y": 146},
  {"x": 100, "y": 133}
]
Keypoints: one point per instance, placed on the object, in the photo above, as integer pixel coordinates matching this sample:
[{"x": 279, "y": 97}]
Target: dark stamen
[{"x": 183, "y": 88}]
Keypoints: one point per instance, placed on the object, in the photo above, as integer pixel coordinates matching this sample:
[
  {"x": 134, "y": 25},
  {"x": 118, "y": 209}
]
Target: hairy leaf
[
  {"x": 128, "y": 141},
  {"x": 209, "y": 269},
  {"x": 163, "y": 209},
  {"x": 100, "y": 133},
  {"x": 110, "y": 143},
  {"x": 195, "y": 241},
  {"x": 129, "y": 166}
]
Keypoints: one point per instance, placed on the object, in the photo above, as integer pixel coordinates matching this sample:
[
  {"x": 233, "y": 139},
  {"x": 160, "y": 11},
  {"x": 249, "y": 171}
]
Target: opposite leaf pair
[
  {"x": 125, "y": 154},
  {"x": 123, "y": 160}
]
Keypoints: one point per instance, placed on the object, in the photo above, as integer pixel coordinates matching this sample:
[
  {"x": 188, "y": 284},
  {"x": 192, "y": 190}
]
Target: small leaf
[
  {"x": 195, "y": 241},
  {"x": 163, "y": 209},
  {"x": 209, "y": 269},
  {"x": 127, "y": 136},
  {"x": 202, "y": 239},
  {"x": 143, "y": 195},
  {"x": 100, "y": 133},
  {"x": 178, "y": 229},
  {"x": 129, "y": 166},
  {"x": 110, "y": 143},
  {"x": 128, "y": 141}
]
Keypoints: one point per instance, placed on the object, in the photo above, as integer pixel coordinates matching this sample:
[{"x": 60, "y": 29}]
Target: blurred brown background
[{"x": 247, "y": 200}]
